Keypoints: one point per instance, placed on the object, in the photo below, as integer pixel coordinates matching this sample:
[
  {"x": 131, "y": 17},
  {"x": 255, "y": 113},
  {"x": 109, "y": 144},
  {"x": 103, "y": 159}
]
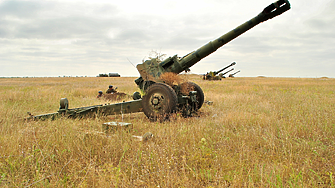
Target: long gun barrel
[
  {"x": 232, "y": 75},
  {"x": 189, "y": 60},
  {"x": 217, "y": 72},
  {"x": 151, "y": 70},
  {"x": 235, "y": 73},
  {"x": 227, "y": 71}
]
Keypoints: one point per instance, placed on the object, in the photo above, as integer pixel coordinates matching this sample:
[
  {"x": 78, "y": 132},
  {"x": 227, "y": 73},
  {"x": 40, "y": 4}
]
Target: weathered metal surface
[{"x": 96, "y": 110}]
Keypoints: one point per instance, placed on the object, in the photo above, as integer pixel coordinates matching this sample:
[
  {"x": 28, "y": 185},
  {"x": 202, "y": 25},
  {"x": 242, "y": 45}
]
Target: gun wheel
[
  {"x": 191, "y": 86},
  {"x": 159, "y": 102}
]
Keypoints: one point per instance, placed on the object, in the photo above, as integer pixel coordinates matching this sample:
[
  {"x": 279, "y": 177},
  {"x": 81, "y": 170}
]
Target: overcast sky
[{"x": 88, "y": 37}]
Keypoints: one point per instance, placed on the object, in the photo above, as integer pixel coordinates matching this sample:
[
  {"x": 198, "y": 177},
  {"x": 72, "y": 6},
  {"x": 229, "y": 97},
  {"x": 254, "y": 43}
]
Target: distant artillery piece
[
  {"x": 222, "y": 75},
  {"x": 213, "y": 75},
  {"x": 232, "y": 75}
]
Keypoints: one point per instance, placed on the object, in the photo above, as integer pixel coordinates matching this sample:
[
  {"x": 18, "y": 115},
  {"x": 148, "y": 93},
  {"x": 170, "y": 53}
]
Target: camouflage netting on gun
[{"x": 171, "y": 79}]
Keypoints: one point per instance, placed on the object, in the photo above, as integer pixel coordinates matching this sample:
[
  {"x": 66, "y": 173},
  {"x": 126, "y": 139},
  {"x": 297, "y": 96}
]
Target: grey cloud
[
  {"x": 133, "y": 35},
  {"x": 324, "y": 20},
  {"x": 21, "y": 9},
  {"x": 23, "y": 19},
  {"x": 63, "y": 28},
  {"x": 33, "y": 32}
]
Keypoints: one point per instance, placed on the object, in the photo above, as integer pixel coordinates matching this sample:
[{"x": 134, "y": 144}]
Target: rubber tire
[
  {"x": 200, "y": 93},
  {"x": 169, "y": 104}
]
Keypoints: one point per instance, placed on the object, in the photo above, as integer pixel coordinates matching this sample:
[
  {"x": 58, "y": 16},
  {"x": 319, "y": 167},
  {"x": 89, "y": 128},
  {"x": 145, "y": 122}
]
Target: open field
[{"x": 260, "y": 132}]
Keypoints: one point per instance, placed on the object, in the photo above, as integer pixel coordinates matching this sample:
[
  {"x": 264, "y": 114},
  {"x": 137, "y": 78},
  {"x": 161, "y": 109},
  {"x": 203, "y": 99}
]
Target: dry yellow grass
[{"x": 260, "y": 132}]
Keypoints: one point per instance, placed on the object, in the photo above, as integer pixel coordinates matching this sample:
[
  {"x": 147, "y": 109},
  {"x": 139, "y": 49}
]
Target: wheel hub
[{"x": 157, "y": 101}]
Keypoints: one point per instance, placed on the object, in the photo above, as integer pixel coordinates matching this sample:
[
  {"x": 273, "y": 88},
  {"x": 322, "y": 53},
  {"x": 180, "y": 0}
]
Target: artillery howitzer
[
  {"x": 232, "y": 75},
  {"x": 222, "y": 75},
  {"x": 214, "y": 75},
  {"x": 161, "y": 99}
]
